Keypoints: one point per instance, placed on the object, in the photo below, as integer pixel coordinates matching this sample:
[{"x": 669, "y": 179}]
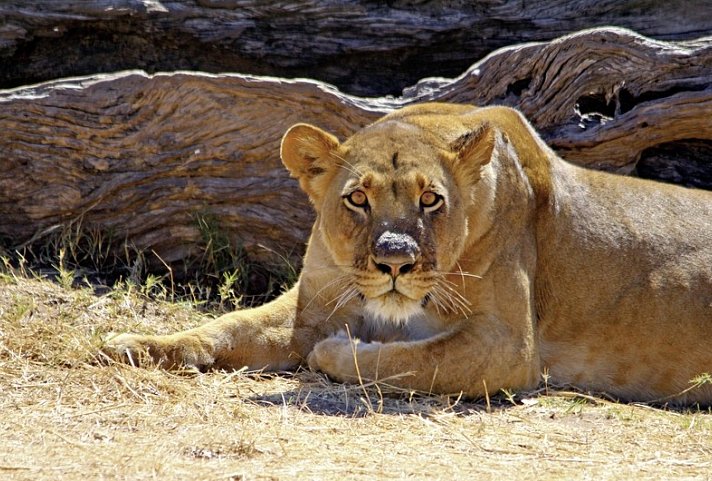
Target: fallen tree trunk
[
  {"x": 146, "y": 157},
  {"x": 363, "y": 47}
]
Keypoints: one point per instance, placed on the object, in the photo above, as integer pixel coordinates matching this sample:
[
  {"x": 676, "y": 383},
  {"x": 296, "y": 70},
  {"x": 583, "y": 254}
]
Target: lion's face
[{"x": 391, "y": 213}]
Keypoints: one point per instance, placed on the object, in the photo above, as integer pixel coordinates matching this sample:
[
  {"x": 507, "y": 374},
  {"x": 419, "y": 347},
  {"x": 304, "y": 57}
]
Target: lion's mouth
[
  {"x": 393, "y": 306},
  {"x": 394, "y": 300}
]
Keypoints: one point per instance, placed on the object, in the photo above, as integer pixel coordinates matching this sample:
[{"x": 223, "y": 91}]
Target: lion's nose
[
  {"x": 395, "y": 269},
  {"x": 395, "y": 253}
]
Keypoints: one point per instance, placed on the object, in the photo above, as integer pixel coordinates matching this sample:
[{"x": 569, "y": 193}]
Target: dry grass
[{"x": 65, "y": 416}]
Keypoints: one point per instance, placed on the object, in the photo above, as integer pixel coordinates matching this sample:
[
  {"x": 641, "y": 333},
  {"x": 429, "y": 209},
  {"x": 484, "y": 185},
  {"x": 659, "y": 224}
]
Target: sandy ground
[{"x": 65, "y": 416}]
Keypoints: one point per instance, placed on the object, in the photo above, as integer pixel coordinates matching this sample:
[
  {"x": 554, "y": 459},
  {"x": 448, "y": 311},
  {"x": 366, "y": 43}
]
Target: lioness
[{"x": 453, "y": 251}]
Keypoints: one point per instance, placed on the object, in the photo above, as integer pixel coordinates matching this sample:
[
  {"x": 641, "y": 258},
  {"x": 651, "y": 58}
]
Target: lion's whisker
[
  {"x": 346, "y": 299},
  {"x": 461, "y": 274},
  {"x": 349, "y": 293},
  {"x": 346, "y": 290},
  {"x": 349, "y": 167},
  {"x": 454, "y": 298},
  {"x": 443, "y": 298},
  {"x": 447, "y": 302},
  {"x": 326, "y": 286},
  {"x": 464, "y": 305},
  {"x": 437, "y": 302}
]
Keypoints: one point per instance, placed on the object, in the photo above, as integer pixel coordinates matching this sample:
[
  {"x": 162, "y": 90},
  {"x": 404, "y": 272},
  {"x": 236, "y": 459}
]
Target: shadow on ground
[{"x": 317, "y": 395}]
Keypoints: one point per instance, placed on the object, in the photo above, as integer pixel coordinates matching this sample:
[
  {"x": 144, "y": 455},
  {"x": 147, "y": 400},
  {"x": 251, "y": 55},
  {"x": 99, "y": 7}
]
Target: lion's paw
[
  {"x": 170, "y": 352},
  {"x": 341, "y": 358},
  {"x": 132, "y": 349}
]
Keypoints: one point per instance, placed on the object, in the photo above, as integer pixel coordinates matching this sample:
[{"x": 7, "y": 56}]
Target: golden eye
[
  {"x": 430, "y": 201},
  {"x": 357, "y": 198}
]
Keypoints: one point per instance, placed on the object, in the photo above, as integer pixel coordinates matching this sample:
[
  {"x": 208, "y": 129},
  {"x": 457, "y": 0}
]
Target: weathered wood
[
  {"x": 364, "y": 47},
  {"x": 599, "y": 97},
  {"x": 144, "y": 155}
]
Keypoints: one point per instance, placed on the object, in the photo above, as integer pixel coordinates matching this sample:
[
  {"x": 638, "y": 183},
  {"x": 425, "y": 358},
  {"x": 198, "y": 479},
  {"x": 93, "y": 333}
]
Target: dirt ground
[{"x": 65, "y": 416}]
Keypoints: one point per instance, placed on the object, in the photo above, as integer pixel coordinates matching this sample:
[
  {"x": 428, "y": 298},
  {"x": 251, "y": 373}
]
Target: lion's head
[{"x": 392, "y": 205}]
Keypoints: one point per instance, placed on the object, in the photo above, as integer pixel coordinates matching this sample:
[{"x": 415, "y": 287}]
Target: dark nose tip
[{"x": 395, "y": 270}]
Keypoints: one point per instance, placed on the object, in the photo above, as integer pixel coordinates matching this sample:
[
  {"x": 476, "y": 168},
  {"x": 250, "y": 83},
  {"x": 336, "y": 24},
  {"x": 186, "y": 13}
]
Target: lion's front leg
[
  {"x": 474, "y": 361},
  {"x": 267, "y": 337}
]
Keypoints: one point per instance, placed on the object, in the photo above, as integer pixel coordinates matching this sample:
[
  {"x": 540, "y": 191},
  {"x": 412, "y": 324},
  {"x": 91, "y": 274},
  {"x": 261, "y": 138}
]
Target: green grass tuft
[{"x": 220, "y": 277}]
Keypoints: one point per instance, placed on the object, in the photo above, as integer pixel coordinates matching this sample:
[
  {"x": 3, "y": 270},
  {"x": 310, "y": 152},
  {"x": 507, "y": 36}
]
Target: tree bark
[
  {"x": 361, "y": 46},
  {"x": 144, "y": 156}
]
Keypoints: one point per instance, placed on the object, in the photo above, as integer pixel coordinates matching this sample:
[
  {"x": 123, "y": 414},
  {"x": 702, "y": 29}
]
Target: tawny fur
[{"x": 529, "y": 265}]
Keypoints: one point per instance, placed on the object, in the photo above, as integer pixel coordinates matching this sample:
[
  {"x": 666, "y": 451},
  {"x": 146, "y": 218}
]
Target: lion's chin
[{"x": 393, "y": 307}]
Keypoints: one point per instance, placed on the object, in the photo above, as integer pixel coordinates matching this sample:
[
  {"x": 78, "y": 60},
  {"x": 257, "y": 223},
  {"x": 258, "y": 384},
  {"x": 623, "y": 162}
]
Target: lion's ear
[
  {"x": 310, "y": 155},
  {"x": 473, "y": 150}
]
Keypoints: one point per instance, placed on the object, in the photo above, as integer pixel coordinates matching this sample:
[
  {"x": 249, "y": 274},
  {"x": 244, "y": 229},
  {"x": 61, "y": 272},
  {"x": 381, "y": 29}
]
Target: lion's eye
[
  {"x": 358, "y": 199},
  {"x": 430, "y": 201}
]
